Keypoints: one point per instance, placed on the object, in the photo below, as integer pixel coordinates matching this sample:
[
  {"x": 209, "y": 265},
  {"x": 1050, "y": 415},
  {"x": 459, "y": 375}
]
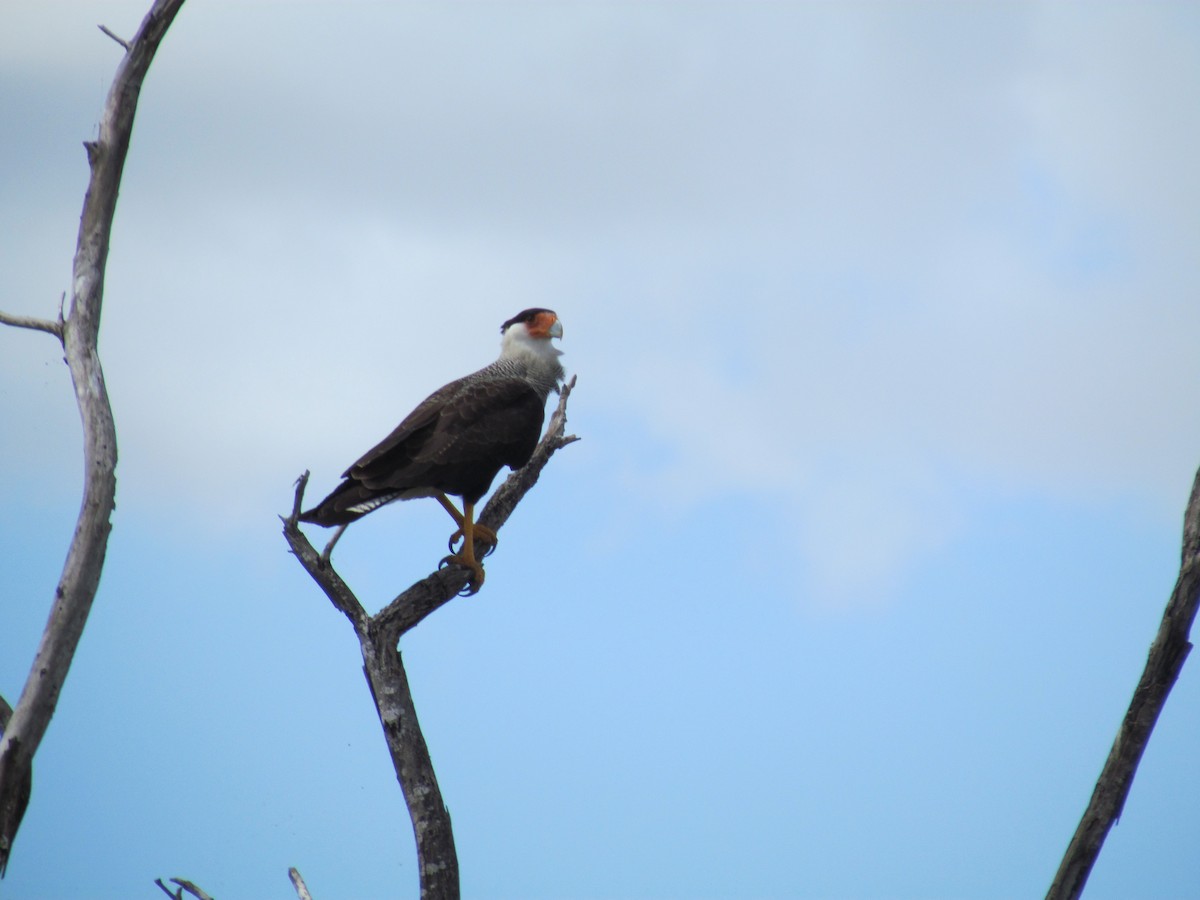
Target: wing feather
[
  {"x": 468, "y": 430},
  {"x": 391, "y": 451}
]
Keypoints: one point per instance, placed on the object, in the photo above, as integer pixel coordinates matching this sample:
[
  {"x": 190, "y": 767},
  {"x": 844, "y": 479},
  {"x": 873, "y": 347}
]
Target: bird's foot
[
  {"x": 482, "y": 533},
  {"x": 475, "y": 582}
]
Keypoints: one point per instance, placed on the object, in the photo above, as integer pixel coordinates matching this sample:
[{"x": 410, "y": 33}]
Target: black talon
[{"x": 472, "y": 586}]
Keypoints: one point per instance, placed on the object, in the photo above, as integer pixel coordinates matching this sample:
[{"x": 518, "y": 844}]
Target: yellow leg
[
  {"x": 448, "y": 505},
  {"x": 482, "y": 532},
  {"x": 466, "y": 556}
]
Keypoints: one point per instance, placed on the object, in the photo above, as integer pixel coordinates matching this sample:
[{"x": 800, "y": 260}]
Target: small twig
[
  {"x": 298, "y": 500},
  {"x": 177, "y": 895},
  {"x": 320, "y": 571},
  {"x": 120, "y": 40},
  {"x": 298, "y": 883},
  {"x": 34, "y": 324}
]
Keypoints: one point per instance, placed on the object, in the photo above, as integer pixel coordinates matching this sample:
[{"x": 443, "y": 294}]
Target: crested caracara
[{"x": 457, "y": 439}]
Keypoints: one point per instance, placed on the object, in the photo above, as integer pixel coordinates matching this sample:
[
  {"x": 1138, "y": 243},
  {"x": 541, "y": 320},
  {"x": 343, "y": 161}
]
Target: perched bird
[{"x": 457, "y": 439}]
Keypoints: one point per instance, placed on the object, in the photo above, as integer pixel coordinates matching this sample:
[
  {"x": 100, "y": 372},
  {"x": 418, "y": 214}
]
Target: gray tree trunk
[{"x": 78, "y": 333}]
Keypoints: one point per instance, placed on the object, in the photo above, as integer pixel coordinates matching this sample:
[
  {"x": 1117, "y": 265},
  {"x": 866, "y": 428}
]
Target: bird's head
[
  {"x": 531, "y": 331},
  {"x": 528, "y": 343}
]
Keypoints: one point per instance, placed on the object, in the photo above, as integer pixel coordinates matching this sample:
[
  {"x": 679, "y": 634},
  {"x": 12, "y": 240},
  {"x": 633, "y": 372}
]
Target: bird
[{"x": 457, "y": 440}]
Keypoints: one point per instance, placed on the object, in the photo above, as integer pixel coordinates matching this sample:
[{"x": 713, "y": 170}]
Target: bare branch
[
  {"x": 191, "y": 889},
  {"x": 85, "y": 558},
  {"x": 33, "y": 323},
  {"x": 323, "y": 574},
  {"x": 298, "y": 883},
  {"x": 437, "y": 858},
  {"x": 120, "y": 40},
  {"x": 184, "y": 885},
  {"x": 1167, "y": 655},
  {"x": 388, "y": 682}
]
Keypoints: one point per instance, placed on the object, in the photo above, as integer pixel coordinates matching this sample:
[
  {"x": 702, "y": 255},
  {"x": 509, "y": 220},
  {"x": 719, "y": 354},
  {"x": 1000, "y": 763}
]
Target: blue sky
[{"x": 884, "y": 319}]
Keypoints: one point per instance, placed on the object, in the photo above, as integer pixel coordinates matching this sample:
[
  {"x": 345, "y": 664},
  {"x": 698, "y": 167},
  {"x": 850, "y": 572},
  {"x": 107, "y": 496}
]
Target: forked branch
[
  {"x": 379, "y": 637},
  {"x": 182, "y": 885},
  {"x": 1167, "y": 654}
]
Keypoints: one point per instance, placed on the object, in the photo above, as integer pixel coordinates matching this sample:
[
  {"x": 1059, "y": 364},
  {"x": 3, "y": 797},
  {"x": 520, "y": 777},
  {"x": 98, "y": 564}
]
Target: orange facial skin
[{"x": 541, "y": 325}]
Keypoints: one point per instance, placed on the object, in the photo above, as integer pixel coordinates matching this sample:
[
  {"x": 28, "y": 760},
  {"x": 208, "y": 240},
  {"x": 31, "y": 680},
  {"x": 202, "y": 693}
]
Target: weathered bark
[
  {"x": 437, "y": 858},
  {"x": 78, "y": 332},
  {"x": 298, "y": 883},
  {"x": 379, "y": 637},
  {"x": 12, "y": 812},
  {"x": 1167, "y": 654}
]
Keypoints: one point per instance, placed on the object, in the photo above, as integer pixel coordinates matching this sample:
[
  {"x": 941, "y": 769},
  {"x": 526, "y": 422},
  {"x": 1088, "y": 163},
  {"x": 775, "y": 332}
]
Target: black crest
[{"x": 525, "y": 315}]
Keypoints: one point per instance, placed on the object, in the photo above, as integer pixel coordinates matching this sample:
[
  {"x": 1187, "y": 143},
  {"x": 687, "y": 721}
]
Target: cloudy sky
[{"x": 885, "y": 322}]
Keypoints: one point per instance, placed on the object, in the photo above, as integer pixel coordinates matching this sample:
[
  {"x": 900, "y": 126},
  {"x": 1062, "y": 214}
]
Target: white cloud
[
  {"x": 806, "y": 245},
  {"x": 1112, "y": 98}
]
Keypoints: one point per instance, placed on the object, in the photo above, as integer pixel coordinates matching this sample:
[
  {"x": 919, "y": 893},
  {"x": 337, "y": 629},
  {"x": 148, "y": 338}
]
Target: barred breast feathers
[{"x": 532, "y": 360}]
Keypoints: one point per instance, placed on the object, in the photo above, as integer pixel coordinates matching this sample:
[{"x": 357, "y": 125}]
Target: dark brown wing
[
  {"x": 417, "y": 422},
  {"x": 353, "y": 498},
  {"x": 459, "y": 443},
  {"x": 455, "y": 442}
]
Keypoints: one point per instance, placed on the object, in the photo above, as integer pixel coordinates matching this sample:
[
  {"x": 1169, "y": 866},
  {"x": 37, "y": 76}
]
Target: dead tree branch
[
  {"x": 298, "y": 883},
  {"x": 78, "y": 333},
  {"x": 379, "y": 637},
  {"x": 1167, "y": 654},
  {"x": 33, "y": 323},
  {"x": 183, "y": 885},
  {"x": 120, "y": 40}
]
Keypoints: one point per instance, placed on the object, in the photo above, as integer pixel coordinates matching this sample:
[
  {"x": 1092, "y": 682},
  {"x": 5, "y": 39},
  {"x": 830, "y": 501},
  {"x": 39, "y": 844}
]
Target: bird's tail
[{"x": 350, "y": 500}]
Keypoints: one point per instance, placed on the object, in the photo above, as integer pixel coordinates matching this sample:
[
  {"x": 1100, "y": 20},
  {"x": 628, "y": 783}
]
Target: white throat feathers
[{"x": 534, "y": 358}]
